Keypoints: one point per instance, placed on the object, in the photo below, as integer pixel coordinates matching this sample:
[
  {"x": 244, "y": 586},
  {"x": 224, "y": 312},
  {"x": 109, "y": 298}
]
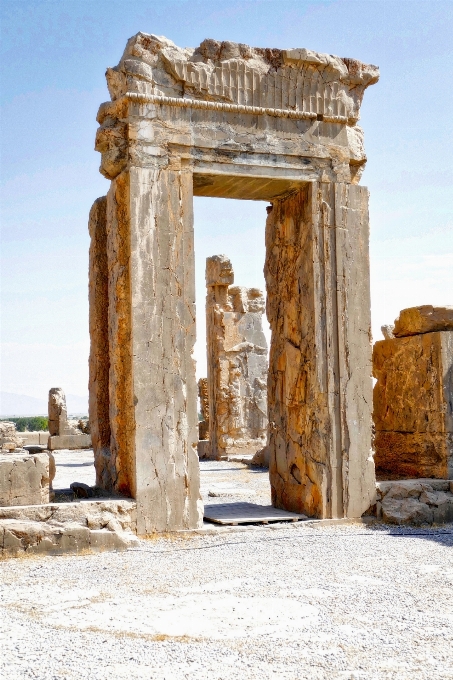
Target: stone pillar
[
  {"x": 319, "y": 388},
  {"x": 203, "y": 425},
  {"x": 58, "y": 414},
  {"x": 237, "y": 363},
  {"x": 99, "y": 363},
  {"x": 412, "y": 398},
  {"x": 151, "y": 319}
]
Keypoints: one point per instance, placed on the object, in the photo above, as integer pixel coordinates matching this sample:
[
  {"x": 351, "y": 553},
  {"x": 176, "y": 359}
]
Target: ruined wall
[
  {"x": 237, "y": 363},
  {"x": 412, "y": 400},
  {"x": 319, "y": 386}
]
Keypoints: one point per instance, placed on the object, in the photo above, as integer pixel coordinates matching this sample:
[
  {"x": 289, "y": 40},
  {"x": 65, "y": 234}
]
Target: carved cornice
[{"x": 233, "y": 108}]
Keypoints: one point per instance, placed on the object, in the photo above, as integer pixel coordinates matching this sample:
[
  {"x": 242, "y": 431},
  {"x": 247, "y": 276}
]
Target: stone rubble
[
  {"x": 9, "y": 439},
  {"x": 414, "y": 501}
]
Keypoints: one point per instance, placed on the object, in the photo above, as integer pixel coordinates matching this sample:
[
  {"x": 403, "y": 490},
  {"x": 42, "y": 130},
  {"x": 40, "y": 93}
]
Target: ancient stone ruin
[
  {"x": 228, "y": 120},
  {"x": 203, "y": 425},
  {"x": 237, "y": 363},
  {"x": 413, "y": 396},
  {"x": 62, "y": 434}
]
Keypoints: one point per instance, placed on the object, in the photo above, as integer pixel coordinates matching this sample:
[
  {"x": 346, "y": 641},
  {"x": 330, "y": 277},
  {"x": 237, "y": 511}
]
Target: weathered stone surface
[
  {"x": 413, "y": 410},
  {"x": 231, "y": 121},
  {"x": 9, "y": 439},
  {"x": 203, "y": 425},
  {"x": 25, "y": 479},
  {"x": 59, "y": 528},
  {"x": 69, "y": 441},
  {"x": 58, "y": 413},
  {"x": 414, "y": 501},
  {"x": 237, "y": 363},
  {"x": 424, "y": 319},
  {"x": 318, "y": 307},
  {"x": 99, "y": 363}
]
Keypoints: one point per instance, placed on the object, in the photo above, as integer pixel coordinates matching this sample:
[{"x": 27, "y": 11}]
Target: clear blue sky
[{"x": 54, "y": 55}]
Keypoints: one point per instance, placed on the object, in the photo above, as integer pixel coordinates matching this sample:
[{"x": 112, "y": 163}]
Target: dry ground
[{"x": 290, "y": 602}]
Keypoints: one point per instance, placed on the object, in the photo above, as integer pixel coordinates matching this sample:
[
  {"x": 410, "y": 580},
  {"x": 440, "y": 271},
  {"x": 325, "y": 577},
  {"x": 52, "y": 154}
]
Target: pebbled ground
[{"x": 290, "y": 602}]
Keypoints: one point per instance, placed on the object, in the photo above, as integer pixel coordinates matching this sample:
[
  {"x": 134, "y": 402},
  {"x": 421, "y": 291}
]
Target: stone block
[
  {"x": 413, "y": 410},
  {"x": 424, "y": 319},
  {"x": 24, "y": 479},
  {"x": 69, "y": 441}
]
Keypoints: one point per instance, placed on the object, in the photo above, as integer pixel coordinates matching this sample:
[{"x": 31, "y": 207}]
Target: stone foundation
[{"x": 60, "y": 528}]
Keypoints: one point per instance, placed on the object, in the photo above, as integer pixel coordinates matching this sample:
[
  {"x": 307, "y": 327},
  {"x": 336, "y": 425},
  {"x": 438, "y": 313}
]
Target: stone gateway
[{"x": 228, "y": 120}]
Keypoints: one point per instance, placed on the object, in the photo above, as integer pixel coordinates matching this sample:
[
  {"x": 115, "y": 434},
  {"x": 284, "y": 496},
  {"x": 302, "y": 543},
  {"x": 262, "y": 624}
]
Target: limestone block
[
  {"x": 413, "y": 411},
  {"x": 24, "y": 479},
  {"x": 237, "y": 363},
  {"x": 424, "y": 319},
  {"x": 69, "y": 441}
]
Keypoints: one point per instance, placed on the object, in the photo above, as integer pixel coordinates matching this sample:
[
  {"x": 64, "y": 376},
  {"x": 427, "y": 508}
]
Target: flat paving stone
[{"x": 248, "y": 513}]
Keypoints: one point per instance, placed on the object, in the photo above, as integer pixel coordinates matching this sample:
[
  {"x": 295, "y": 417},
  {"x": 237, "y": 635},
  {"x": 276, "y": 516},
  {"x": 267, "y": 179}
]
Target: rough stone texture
[
  {"x": 237, "y": 363},
  {"x": 99, "y": 363},
  {"x": 413, "y": 409},
  {"x": 233, "y": 121},
  {"x": 9, "y": 439},
  {"x": 414, "y": 501},
  {"x": 203, "y": 425},
  {"x": 67, "y": 527},
  {"x": 424, "y": 319},
  {"x": 25, "y": 479},
  {"x": 58, "y": 413},
  {"x": 318, "y": 307}
]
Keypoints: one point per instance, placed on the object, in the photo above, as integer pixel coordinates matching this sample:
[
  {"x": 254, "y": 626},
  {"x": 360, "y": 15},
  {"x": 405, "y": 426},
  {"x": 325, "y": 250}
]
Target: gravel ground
[
  {"x": 227, "y": 480},
  {"x": 289, "y": 602},
  {"x": 284, "y": 601}
]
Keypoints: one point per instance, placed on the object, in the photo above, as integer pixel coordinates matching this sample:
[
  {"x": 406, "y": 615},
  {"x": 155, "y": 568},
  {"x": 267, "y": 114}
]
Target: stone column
[
  {"x": 151, "y": 318},
  {"x": 319, "y": 389},
  {"x": 99, "y": 348},
  {"x": 58, "y": 413},
  {"x": 237, "y": 363}
]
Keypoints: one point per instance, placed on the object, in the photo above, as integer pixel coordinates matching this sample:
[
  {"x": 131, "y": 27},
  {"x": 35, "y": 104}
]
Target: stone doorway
[{"x": 230, "y": 121}]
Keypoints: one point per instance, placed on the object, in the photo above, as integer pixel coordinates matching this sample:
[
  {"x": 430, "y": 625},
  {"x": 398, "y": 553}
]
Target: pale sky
[{"x": 54, "y": 55}]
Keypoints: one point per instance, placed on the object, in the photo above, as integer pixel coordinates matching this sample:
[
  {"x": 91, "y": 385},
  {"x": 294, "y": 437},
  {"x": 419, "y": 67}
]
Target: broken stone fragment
[
  {"x": 81, "y": 490},
  {"x": 424, "y": 319}
]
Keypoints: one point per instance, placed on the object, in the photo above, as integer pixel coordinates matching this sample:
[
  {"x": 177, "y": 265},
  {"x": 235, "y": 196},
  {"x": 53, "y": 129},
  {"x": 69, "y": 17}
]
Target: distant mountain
[{"x": 22, "y": 405}]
